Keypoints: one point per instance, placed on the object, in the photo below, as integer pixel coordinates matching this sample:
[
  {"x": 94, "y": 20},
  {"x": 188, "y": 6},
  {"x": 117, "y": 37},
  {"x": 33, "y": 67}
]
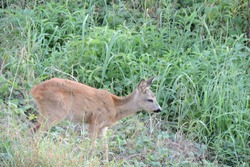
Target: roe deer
[{"x": 61, "y": 99}]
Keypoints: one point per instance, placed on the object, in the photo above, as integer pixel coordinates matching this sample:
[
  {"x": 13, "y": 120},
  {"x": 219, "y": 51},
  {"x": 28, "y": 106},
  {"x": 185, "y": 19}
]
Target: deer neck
[{"x": 126, "y": 105}]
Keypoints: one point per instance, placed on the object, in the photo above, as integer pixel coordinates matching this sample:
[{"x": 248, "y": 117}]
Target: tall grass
[{"x": 198, "y": 51}]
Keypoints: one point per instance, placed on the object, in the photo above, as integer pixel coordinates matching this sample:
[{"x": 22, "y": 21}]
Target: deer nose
[{"x": 157, "y": 111}]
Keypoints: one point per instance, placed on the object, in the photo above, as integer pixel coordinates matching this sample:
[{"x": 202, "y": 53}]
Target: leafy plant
[{"x": 198, "y": 50}]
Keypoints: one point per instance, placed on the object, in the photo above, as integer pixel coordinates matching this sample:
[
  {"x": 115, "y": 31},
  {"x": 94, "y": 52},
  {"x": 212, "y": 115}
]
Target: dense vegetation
[{"x": 198, "y": 50}]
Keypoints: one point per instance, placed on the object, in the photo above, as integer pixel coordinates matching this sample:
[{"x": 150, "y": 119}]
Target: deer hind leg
[
  {"x": 45, "y": 123},
  {"x": 37, "y": 126},
  {"x": 50, "y": 116},
  {"x": 41, "y": 118}
]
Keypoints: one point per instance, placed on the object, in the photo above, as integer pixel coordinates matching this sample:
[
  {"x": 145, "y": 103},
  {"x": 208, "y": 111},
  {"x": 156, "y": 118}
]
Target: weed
[{"x": 198, "y": 50}]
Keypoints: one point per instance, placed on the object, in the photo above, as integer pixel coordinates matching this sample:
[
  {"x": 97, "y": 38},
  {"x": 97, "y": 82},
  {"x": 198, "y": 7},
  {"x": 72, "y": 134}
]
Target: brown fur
[{"x": 61, "y": 99}]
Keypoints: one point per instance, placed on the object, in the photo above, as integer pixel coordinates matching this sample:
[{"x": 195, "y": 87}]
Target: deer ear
[
  {"x": 145, "y": 84},
  {"x": 142, "y": 85},
  {"x": 149, "y": 81}
]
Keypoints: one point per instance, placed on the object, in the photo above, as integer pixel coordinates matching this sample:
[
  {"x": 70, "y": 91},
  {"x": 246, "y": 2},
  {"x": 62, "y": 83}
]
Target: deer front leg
[
  {"x": 92, "y": 133},
  {"x": 104, "y": 137}
]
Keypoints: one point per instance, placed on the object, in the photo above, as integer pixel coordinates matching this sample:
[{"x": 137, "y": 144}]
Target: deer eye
[{"x": 150, "y": 100}]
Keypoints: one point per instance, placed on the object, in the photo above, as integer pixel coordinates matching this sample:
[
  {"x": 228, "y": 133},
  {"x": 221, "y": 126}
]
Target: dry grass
[{"x": 64, "y": 146}]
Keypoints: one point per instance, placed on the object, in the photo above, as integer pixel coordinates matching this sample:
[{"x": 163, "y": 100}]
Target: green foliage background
[{"x": 199, "y": 51}]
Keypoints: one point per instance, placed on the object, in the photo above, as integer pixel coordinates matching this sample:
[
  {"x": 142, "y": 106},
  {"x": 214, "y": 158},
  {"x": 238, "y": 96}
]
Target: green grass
[{"x": 198, "y": 51}]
